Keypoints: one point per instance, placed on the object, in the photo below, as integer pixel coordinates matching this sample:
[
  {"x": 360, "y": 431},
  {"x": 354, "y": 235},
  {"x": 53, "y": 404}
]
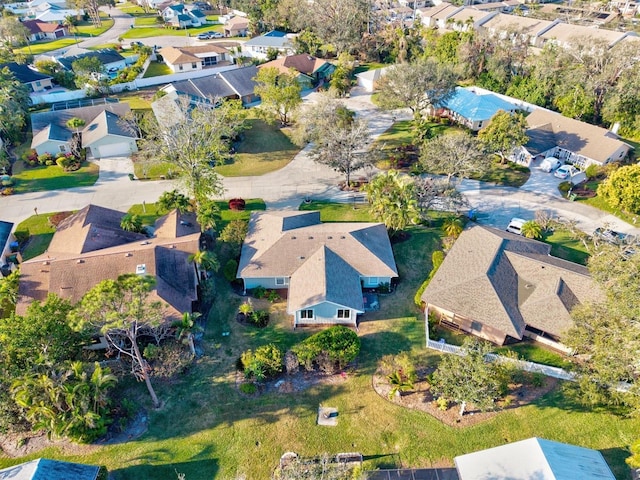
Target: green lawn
[
  {"x": 340, "y": 212},
  {"x": 39, "y": 230},
  {"x": 565, "y": 247},
  {"x": 508, "y": 175},
  {"x": 263, "y": 149},
  {"x": 87, "y": 29},
  {"x": 150, "y": 21},
  {"x": 206, "y": 429},
  {"x": 132, "y": 9},
  {"x": 54, "y": 177},
  {"x": 150, "y": 212},
  {"x": 156, "y": 69},
  {"x": 601, "y": 204},
  {"x": 153, "y": 170},
  {"x": 137, "y": 100},
  {"x": 135, "y": 33},
  {"x": 38, "y": 48},
  {"x": 533, "y": 352},
  {"x": 366, "y": 66}
]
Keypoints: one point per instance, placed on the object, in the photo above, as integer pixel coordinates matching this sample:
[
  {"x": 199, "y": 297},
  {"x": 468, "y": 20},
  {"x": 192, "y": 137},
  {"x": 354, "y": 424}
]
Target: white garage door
[{"x": 113, "y": 150}]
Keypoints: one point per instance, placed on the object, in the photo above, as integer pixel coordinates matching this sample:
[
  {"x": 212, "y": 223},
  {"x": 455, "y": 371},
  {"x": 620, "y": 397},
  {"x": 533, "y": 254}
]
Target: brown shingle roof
[
  {"x": 175, "y": 224},
  {"x": 508, "y": 282},
  {"x": 579, "y": 137},
  {"x": 503, "y": 22},
  {"x": 569, "y": 33},
  {"x": 237, "y": 23},
  {"x": 36, "y": 26},
  {"x": 176, "y": 56},
  {"x": 72, "y": 270},
  {"x": 302, "y": 63},
  {"x": 277, "y": 244}
]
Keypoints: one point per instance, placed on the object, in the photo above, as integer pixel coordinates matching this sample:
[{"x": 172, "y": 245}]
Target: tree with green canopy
[
  {"x": 622, "y": 188},
  {"x": 279, "y": 94},
  {"x": 504, "y": 133},
  {"x": 392, "y": 200}
]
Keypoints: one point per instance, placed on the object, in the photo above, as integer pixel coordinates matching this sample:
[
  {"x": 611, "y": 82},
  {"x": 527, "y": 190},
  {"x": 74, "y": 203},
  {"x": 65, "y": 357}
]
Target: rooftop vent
[
  {"x": 128, "y": 254},
  {"x": 146, "y": 242},
  {"x": 310, "y": 237},
  {"x": 343, "y": 237},
  {"x": 46, "y": 262},
  {"x": 141, "y": 269},
  {"x": 293, "y": 237},
  {"x": 329, "y": 237},
  {"x": 80, "y": 260}
]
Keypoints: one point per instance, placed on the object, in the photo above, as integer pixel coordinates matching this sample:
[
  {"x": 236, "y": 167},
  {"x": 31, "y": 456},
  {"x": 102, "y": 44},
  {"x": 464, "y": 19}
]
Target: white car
[
  {"x": 565, "y": 172},
  {"x": 549, "y": 164},
  {"x": 515, "y": 226}
]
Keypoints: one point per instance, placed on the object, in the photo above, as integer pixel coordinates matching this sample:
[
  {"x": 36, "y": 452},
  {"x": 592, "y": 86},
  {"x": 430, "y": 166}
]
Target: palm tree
[
  {"x": 531, "y": 229},
  {"x": 131, "y": 223},
  {"x": 70, "y": 23},
  {"x": 76, "y": 123},
  {"x": 400, "y": 382},
  {"x": 205, "y": 260},
  {"x": 186, "y": 328},
  {"x": 452, "y": 227}
]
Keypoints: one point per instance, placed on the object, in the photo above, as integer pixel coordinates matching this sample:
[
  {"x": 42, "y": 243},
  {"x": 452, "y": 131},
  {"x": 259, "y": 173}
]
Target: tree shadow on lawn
[
  {"x": 615, "y": 458},
  {"x": 566, "y": 397},
  {"x": 193, "y": 470},
  {"x": 376, "y": 345}
]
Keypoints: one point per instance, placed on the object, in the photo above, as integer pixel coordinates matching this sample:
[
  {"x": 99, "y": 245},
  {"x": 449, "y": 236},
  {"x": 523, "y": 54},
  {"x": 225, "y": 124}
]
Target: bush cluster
[
  {"x": 336, "y": 346},
  {"x": 237, "y": 204},
  {"x": 68, "y": 161}
]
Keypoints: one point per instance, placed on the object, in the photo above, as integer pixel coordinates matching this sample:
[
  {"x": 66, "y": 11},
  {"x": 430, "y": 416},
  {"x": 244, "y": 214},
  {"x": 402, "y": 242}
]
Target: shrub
[
  {"x": 592, "y": 171},
  {"x": 42, "y": 159},
  {"x": 248, "y": 388},
  {"x": 259, "y": 292},
  {"x": 8, "y": 191},
  {"x": 21, "y": 235},
  {"x": 245, "y": 308},
  {"x": 6, "y": 181},
  {"x": 272, "y": 296},
  {"x": 56, "y": 218},
  {"x": 237, "y": 204},
  {"x": 64, "y": 162},
  {"x": 234, "y": 232},
  {"x": 259, "y": 318},
  {"x": 291, "y": 362},
  {"x": 564, "y": 187},
  {"x": 265, "y": 362},
  {"x": 230, "y": 269},
  {"x": 437, "y": 257},
  {"x": 537, "y": 379},
  {"x": 442, "y": 403},
  {"x": 340, "y": 343}
]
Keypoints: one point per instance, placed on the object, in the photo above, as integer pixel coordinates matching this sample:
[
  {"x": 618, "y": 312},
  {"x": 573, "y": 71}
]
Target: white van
[
  {"x": 549, "y": 164},
  {"x": 515, "y": 226}
]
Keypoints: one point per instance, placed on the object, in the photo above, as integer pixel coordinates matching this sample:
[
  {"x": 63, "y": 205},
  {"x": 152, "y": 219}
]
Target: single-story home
[
  {"x": 36, "y": 81},
  {"x": 534, "y": 458},
  {"x": 473, "y": 109},
  {"x": 468, "y": 18},
  {"x": 503, "y": 287},
  {"x": 108, "y": 57},
  {"x": 236, "y": 83},
  {"x": 369, "y": 79},
  {"x": 258, "y": 46},
  {"x": 45, "y": 469},
  {"x": 579, "y": 143},
  {"x": 236, "y": 27},
  {"x": 311, "y": 70},
  {"x": 102, "y": 134},
  {"x": 323, "y": 266},
  {"x": 90, "y": 246},
  {"x": 184, "y": 59},
  {"x": 52, "y": 13},
  {"x": 39, "y": 30}
]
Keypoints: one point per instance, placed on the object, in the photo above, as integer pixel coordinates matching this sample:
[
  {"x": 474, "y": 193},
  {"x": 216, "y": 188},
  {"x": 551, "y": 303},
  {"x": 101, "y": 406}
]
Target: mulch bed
[{"x": 422, "y": 399}]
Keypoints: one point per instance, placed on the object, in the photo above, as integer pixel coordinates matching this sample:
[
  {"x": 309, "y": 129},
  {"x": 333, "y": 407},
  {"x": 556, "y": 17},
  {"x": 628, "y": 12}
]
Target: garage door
[{"x": 113, "y": 150}]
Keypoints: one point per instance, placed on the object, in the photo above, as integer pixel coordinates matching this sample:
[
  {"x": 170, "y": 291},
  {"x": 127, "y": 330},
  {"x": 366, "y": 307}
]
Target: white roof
[{"x": 534, "y": 458}]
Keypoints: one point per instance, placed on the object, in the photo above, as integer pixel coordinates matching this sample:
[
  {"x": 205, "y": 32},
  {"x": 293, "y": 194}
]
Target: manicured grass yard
[
  {"x": 150, "y": 21},
  {"x": 508, "y": 174},
  {"x": 54, "y": 177},
  {"x": 38, "y": 48},
  {"x": 135, "y": 33},
  {"x": 340, "y": 212},
  {"x": 87, "y": 29},
  {"x": 206, "y": 429},
  {"x": 41, "y": 233},
  {"x": 263, "y": 149},
  {"x": 565, "y": 247},
  {"x": 156, "y": 69},
  {"x": 601, "y": 204}
]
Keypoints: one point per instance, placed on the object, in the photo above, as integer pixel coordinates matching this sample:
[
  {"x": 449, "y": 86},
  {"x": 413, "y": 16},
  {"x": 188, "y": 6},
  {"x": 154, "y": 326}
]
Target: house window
[
  {"x": 208, "y": 61},
  {"x": 373, "y": 281},
  {"x": 38, "y": 83},
  {"x": 306, "y": 313},
  {"x": 63, "y": 148},
  {"x": 180, "y": 67},
  {"x": 476, "y": 326},
  {"x": 344, "y": 313},
  {"x": 479, "y": 124},
  {"x": 281, "y": 281},
  {"x": 194, "y": 65}
]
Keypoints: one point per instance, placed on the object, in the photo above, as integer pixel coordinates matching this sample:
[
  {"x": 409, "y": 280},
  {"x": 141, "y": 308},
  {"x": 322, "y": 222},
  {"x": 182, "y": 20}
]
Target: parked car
[
  {"x": 549, "y": 164},
  {"x": 515, "y": 226},
  {"x": 565, "y": 172},
  {"x": 203, "y": 36},
  {"x": 214, "y": 34},
  {"x": 613, "y": 237},
  {"x": 137, "y": 44}
]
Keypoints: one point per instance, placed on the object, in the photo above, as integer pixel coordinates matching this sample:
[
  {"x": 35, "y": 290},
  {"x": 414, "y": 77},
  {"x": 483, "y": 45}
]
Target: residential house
[
  {"x": 236, "y": 83},
  {"x": 323, "y": 266},
  {"x": 102, "y": 135},
  {"x": 236, "y": 27},
  {"x": 534, "y": 458},
  {"x": 90, "y": 246},
  {"x": 503, "y": 287},
  {"x": 473, "y": 109},
  {"x": 507, "y": 26},
  {"x": 50, "y": 12},
  {"x": 506, "y": 6},
  {"x": 183, "y": 16},
  {"x": 565, "y": 34},
  {"x": 36, "y": 81},
  {"x": 43, "y": 468},
  {"x": 467, "y": 18},
  {"x": 310, "y": 71},
  {"x": 413, "y": 4},
  {"x": 110, "y": 59},
  {"x": 258, "y": 47},
  {"x": 437, "y": 16},
  {"x": 369, "y": 79},
  {"x": 184, "y": 59},
  {"x": 39, "y": 30},
  {"x": 582, "y": 144}
]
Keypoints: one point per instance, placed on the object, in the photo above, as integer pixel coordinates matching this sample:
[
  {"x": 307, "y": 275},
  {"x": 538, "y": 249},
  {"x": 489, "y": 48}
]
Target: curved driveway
[{"x": 288, "y": 187}]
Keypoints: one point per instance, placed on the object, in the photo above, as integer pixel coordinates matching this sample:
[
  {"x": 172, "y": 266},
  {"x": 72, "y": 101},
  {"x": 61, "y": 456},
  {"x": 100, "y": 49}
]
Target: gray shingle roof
[
  {"x": 105, "y": 55},
  {"x": 241, "y": 79},
  {"x": 508, "y": 282},
  {"x": 106, "y": 123},
  {"x": 325, "y": 277},
  {"x": 22, "y": 73}
]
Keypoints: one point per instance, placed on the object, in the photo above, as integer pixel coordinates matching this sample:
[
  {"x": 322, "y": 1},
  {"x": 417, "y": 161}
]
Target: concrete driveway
[{"x": 542, "y": 182}]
